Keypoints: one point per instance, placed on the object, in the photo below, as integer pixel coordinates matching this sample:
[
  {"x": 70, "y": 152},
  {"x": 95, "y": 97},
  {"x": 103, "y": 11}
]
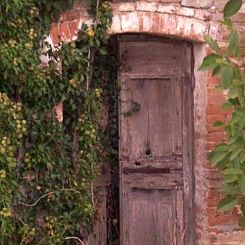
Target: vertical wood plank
[{"x": 188, "y": 151}]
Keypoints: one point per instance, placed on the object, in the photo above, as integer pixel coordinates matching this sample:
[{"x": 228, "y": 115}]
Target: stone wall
[{"x": 189, "y": 20}]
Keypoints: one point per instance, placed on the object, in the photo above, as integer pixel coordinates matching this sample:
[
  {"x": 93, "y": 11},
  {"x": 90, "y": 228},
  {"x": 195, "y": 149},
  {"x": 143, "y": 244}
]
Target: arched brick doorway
[{"x": 172, "y": 20}]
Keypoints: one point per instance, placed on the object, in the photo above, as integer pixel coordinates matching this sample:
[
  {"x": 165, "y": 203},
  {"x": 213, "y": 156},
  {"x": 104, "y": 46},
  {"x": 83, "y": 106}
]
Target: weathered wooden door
[{"x": 156, "y": 158}]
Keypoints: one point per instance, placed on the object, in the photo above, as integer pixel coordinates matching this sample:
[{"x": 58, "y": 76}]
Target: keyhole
[
  {"x": 148, "y": 152},
  {"x": 137, "y": 163}
]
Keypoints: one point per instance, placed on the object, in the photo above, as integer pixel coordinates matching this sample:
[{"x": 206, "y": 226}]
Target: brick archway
[
  {"x": 164, "y": 21},
  {"x": 143, "y": 17}
]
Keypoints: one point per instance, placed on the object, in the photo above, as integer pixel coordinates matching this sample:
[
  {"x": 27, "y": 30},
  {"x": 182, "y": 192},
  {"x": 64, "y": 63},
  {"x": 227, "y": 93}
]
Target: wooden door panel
[
  {"x": 140, "y": 58},
  {"x": 151, "y": 110},
  {"x": 156, "y": 158},
  {"x": 152, "y": 211}
]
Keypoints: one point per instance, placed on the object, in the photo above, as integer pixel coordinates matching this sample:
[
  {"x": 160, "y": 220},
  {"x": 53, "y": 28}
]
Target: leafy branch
[{"x": 229, "y": 157}]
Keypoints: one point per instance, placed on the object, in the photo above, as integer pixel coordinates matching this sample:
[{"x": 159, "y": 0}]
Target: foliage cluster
[
  {"x": 230, "y": 156},
  {"x": 48, "y": 165}
]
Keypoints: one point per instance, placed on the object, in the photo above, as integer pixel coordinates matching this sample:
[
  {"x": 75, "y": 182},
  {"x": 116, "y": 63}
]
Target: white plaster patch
[
  {"x": 189, "y": 12},
  {"x": 130, "y": 22},
  {"x": 116, "y": 24},
  {"x": 44, "y": 58},
  {"x": 147, "y": 22},
  {"x": 198, "y": 3}
]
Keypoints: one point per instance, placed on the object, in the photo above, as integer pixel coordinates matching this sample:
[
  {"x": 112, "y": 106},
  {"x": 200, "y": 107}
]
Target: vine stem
[
  {"x": 45, "y": 195},
  {"x": 75, "y": 146},
  {"x": 88, "y": 69},
  {"x": 90, "y": 53},
  {"x": 74, "y": 238},
  {"x": 90, "y": 60},
  {"x": 92, "y": 193}
]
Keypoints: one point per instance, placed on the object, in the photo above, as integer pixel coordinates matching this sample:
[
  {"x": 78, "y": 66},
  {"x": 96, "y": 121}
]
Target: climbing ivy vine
[
  {"x": 230, "y": 156},
  {"x": 51, "y": 140}
]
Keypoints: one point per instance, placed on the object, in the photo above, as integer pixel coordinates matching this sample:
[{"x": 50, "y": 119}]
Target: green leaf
[
  {"x": 230, "y": 178},
  {"x": 231, "y": 171},
  {"x": 209, "y": 62},
  {"x": 242, "y": 184},
  {"x": 232, "y": 140},
  {"x": 212, "y": 43},
  {"x": 242, "y": 157},
  {"x": 242, "y": 222},
  {"x": 228, "y": 23},
  {"x": 233, "y": 93},
  {"x": 227, "y": 75},
  {"x": 217, "y": 157},
  {"x": 216, "y": 70},
  {"x": 222, "y": 147},
  {"x": 227, "y": 105},
  {"x": 103, "y": 52},
  {"x": 234, "y": 44},
  {"x": 243, "y": 205},
  {"x": 227, "y": 204},
  {"x": 232, "y": 7},
  {"x": 230, "y": 189},
  {"x": 219, "y": 124},
  {"x": 235, "y": 153}
]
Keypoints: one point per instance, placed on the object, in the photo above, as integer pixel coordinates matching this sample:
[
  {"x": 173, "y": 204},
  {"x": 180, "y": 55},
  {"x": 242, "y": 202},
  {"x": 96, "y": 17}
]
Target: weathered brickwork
[
  {"x": 172, "y": 18},
  {"x": 188, "y": 20}
]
